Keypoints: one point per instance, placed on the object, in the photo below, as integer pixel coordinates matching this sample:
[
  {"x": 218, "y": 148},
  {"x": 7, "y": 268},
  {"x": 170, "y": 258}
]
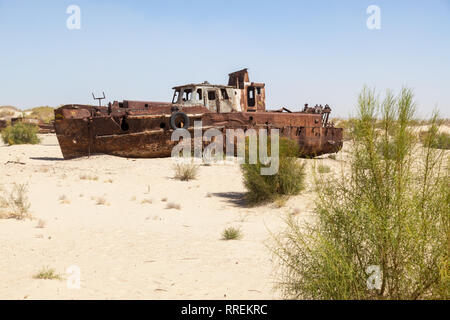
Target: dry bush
[
  {"x": 172, "y": 205},
  {"x": 15, "y": 204},
  {"x": 146, "y": 201},
  {"x": 88, "y": 177},
  {"x": 390, "y": 211},
  {"x": 186, "y": 171},
  {"x": 63, "y": 199},
  {"x": 41, "y": 224},
  {"x": 100, "y": 201}
]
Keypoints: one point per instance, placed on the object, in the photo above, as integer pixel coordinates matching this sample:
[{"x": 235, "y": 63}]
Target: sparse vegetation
[
  {"x": 44, "y": 113},
  {"x": 20, "y": 133},
  {"x": 287, "y": 181},
  {"x": 47, "y": 273},
  {"x": 41, "y": 224},
  {"x": 389, "y": 211},
  {"x": 15, "y": 204},
  {"x": 88, "y": 177},
  {"x": 100, "y": 201},
  {"x": 231, "y": 233},
  {"x": 63, "y": 199},
  {"x": 186, "y": 171},
  {"x": 437, "y": 140},
  {"x": 146, "y": 201},
  {"x": 173, "y": 205}
]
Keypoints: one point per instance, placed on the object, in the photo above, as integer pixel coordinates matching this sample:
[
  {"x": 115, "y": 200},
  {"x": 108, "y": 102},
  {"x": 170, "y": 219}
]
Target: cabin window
[
  {"x": 251, "y": 96},
  {"x": 258, "y": 90},
  {"x": 199, "y": 95},
  {"x": 224, "y": 94},
  {"x": 211, "y": 95},
  {"x": 175, "y": 96},
  {"x": 187, "y": 94}
]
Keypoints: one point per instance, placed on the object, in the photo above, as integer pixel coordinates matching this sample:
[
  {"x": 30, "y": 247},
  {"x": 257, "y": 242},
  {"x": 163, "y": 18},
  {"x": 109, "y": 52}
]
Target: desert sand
[
  {"x": 128, "y": 248},
  {"x": 107, "y": 216}
]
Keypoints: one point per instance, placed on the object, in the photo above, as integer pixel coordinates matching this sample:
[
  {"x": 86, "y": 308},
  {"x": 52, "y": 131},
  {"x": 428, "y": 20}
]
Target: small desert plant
[
  {"x": 101, "y": 201},
  {"x": 63, "y": 199},
  {"x": 47, "y": 273},
  {"x": 186, "y": 171},
  {"x": 287, "y": 181},
  {"x": 164, "y": 199},
  {"x": 146, "y": 201},
  {"x": 88, "y": 177},
  {"x": 389, "y": 213},
  {"x": 41, "y": 224},
  {"x": 20, "y": 133},
  {"x": 231, "y": 233},
  {"x": 173, "y": 205},
  {"x": 15, "y": 204}
]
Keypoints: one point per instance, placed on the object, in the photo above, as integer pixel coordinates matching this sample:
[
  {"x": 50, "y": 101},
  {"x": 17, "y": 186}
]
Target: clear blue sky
[{"x": 305, "y": 51}]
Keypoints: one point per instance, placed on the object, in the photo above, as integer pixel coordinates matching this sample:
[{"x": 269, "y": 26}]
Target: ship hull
[{"x": 149, "y": 135}]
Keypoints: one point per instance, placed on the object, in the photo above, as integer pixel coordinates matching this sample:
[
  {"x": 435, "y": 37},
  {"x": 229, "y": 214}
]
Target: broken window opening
[
  {"x": 176, "y": 95},
  {"x": 199, "y": 94},
  {"x": 251, "y": 96},
  {"x": 187, "y": 94},
  {"x": 224, "y": 94},
  {"x": 211, "y": 95},
  {"x": 258, "y": 90}
]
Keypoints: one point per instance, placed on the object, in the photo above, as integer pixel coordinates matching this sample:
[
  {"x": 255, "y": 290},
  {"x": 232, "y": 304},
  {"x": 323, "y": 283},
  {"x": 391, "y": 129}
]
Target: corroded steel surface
[{"x": 143, "y": 129}]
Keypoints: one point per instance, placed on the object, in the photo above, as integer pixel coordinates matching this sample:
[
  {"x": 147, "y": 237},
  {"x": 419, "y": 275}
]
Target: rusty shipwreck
[{"x": 143, "y": 129}]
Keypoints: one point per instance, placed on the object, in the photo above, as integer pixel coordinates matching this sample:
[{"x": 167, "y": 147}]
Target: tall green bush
[
  {"x": 387, "y": 211},
  {"x": 21, "y": 133}
]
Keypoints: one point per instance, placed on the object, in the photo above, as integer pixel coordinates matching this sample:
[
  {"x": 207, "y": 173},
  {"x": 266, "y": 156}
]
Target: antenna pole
[{"x": 99, "y": 99}]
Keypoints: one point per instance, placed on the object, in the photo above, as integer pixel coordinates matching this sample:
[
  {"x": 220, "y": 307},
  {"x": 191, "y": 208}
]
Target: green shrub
[
  {"x": 437, "y": 140},
  {"x": 231, "y": 233},
  {"x": 388, "y": 210},
  {"x": 287, "y": 181},
  {"x": 20, "y": 133},
  {"x": 47, "y": 273}
]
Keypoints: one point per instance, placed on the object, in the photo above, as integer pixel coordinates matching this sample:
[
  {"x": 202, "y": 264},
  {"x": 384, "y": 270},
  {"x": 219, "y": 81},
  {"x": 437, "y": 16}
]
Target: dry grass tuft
[
  {"x": 47, "y": 273},
  {"x": 231, "y": 233},
  {"x": 15, "y": 204},
  {"x": 64, "y": 200},
  {"x": 186, "y": 171},
  {"x": 173, "y": 205},
  {"x": 41, "y": 224},
  {"x": 88, "y": 177}
]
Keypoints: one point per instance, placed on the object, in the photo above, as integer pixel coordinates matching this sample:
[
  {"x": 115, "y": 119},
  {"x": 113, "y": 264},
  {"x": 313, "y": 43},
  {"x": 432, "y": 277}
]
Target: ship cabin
[{"x": 240, "y": 95}]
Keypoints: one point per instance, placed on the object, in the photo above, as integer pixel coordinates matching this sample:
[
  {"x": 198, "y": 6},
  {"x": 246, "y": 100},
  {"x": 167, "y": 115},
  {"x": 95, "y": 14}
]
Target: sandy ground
[{"x": 127, "y": 249}]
